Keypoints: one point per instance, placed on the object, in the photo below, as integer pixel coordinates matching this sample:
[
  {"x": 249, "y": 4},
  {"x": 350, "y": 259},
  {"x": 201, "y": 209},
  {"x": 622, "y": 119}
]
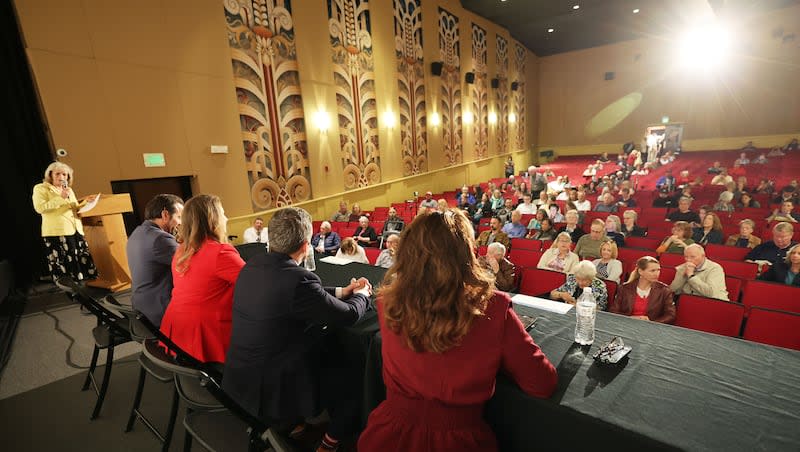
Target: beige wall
[
  {"x": 755, "y": 96},
  {"x": 119, "y": 78}
]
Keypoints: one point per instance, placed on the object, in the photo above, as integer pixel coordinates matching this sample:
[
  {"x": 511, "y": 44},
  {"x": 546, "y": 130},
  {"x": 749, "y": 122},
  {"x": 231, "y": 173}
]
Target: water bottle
[
  {"x": 585, "y": 312},
  {"x": 309, "y": 262}
]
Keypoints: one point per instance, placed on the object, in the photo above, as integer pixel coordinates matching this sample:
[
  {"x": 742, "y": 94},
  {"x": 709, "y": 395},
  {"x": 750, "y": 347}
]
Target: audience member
[
  {"x": 722, "y": 178},
  {"x": 629, "y": 227},
  {"x": 386, "y": 257},
  {"x": 581, "y": 203},
  {"x": 341, "y": 215},
  {"x": 585, "y": 275},
  {"x": 465, "y": 191},
  {"x": 326, "y": 241},
  {"x": 556, "y": 186},
  {"x": 474, "y": 330},
  {"x": 538, "y": 182},
  {"x": 393, "y": 223},
  {"x": 527, "y": 207},
  {"x": 785, "y": 213},
  {"x": 613, "y": 227},
  {"x": 559, "y": 257},
  {"x": 699, "y": 275},
  {"x": 256, "y": 233},
  {"x": 497, "y": 200},
  {"x": 536, "y": 222},
  {"x": 663, "y": 199},
  {"x": 644, "y": 296},
  {"x": 766, "y": 187},
  {"x": 429, "y": 202},
  {"x": 710, "y": 232},
  {"x": 607, "y": 204},
  {"x": 204, "y": 270},
  {"x": 547, "y": 232},
  {"x": 465, "y": 205},
  {"x": 509, "y": 167},
  {"x": 483, "y": 209},
  {"x": 742, "y": 160},
  {"x": 588, "y": 246},
  {"x": 442, "y": 205},
  {"x": 774, "y": 250},
  {"x": 667, "y": 181},
  {"x": 746, "y": 201},
  {"x": 150, "y": 250},
  {"x": 495, "y": 234},
  {"x": 280, "y": 366},
  {"x": 504, "y": 213},
  {"x": 625, "y": 199},
  {"x": 745, "y": 237},
  {"x": 500, "y": 268},
  {"x": 749, "y": 147},
  {"x": 608, "y": 266},
  {"x": 365, "y": 234},
  {"x": 786, "y": 271},
  {"x": 724, "y": 203},
  {"x": 684, "y": 213},
  {"x": 737, "y": 171},
  {"x": 542, "y": 201},
  {"x": 356, "y": 214},
  {"x": 352, "y": 251},
  {"x": 792, "y": 146},
  {"x": 715, "y": 168},
  {"x": 571, "y": 226},
  {"x": 678, "y": 241},
  {"x": 515, "y": 229},
  {"x": 554, "y": 213}
]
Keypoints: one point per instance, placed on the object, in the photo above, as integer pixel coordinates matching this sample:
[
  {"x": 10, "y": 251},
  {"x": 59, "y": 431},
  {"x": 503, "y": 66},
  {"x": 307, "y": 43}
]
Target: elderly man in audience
[
  {"x": 256, "y": 233},
  {"x": 559, "y": 257},
  {"x": 341, "y": 215},
  {"x": 278, "y": 366},
  {"x": 785, "y": 213},
  {"x": 326, "y": 241},
  {"x": 386, "y": 258},
  {"x": 572, "y": 227},
  {"x": 607, "y": 204},
  {"x": 496, "y": 264},
  {"x": 465, "y": 191},
  {"x": 588, "y": 246},
  {"x": 365, "y": 234},
  {"x": 495, "y": 234},
  {"x": 722, "y": 178},
  {"x": 684, "y": 213},
  {"x": 786, "y": 271},
  {"x": 151, "y": 248},
  {"x": 515, "y": 229},
  {"x": 774, "y": 250},
  {"x": 585, "y": 275},
  {"x": 581, "y": 203},
  {"x": 699, "y": 275},
  {"x": 745, "y": 237},
  {"x": 429, "y": 202},
  {"x": 629, "y": 227}
]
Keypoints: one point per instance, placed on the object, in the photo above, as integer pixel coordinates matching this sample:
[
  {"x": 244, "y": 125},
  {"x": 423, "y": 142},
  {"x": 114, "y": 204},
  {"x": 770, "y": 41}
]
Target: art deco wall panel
[
  {"x": 411, "y": 85},
  {"x": 354, "y": 77},
  {"x": 501, "y": 94},
  {"x": 261, "y": 38},
  {"x": 478, "y": 93},
  {"x": 518, "y": 96},
  {"x": 450, "y": 91}
]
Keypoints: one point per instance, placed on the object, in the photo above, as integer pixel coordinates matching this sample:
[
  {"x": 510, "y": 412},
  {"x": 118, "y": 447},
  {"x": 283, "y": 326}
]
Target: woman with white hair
[
  {"x": 559, "y": 257},
  {"x": 724, "y": 203},
  {"x": 62, "y": 231},
  {"x": 585, "y": 276}
]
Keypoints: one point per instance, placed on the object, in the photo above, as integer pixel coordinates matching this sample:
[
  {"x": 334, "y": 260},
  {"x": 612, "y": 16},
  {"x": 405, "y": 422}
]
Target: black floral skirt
[{"x": 69, "y": 256}]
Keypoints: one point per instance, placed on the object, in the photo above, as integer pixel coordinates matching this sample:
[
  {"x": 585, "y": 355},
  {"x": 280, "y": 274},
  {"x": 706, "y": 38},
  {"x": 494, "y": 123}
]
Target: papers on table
[
  {"x": 90, "y": 205},
  {"x": 335, "y": 260},
  {"x": 541, "y": 303}
]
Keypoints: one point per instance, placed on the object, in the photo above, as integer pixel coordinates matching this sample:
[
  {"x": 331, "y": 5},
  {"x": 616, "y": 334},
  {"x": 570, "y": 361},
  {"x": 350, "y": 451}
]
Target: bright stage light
[{"x": 705, "y": 47}]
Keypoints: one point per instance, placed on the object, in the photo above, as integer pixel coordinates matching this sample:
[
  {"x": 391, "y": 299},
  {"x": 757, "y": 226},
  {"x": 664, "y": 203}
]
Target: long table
[{"x": 678, "y": 389}]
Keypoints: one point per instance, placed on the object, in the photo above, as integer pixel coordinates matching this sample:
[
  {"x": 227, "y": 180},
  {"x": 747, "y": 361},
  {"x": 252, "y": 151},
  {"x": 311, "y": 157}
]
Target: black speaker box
[
  {"x": 495, "y": 83},
  {"x": 469, "y": 77},
  {"x": 436, "y": 67},
  {"x": 514, "y": 86}
]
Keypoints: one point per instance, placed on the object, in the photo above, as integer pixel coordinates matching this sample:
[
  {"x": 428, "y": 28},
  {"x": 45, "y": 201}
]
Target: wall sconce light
[
  {"x": 512, "y": 118},
  {"x": 467, "y": 117},
  {"x": 435, "y": 120},
  {"x": 322, "y": 120},
  {"x": 389, "y": 120},
  {"x": 492, "y": 118}
]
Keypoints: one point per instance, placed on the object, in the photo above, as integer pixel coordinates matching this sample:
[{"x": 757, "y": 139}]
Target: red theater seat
[
  {"x": 771, "y": 295},
  {"x": 539, "y": 282},
  {"x": 781, "y": 329},
  {"x": 728, "y": 253},
  {"x": 709, "y": 315}
]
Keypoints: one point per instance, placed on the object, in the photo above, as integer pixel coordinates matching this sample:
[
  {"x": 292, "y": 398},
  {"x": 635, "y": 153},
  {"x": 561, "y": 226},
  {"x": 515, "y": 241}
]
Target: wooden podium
[{"x": 105, "y": 233}]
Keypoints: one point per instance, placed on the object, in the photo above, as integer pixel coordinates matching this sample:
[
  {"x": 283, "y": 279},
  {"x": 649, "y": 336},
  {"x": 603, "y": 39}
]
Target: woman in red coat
[
  {"x": 446, "y": 334},
  {"x": 204, "y": 270},
  {"x": 644, "y": 296}
]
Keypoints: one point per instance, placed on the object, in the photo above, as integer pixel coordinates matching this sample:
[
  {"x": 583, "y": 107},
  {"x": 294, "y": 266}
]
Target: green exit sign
[
  {"x": 154, "y": 160},
  {"x": 664, "y": 119}
]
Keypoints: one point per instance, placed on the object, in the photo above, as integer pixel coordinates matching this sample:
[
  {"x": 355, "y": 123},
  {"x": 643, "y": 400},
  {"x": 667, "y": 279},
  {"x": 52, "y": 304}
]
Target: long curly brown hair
[{"x": 436, "y": 288}]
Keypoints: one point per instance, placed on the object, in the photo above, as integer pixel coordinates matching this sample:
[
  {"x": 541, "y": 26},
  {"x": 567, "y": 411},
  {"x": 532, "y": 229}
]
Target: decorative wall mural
[
  {"x": 479, "y": 95},
  {"x": 411, "y": 85},
  {"x": 450, "y": 92},
  {"x": 261, "y": 38},
  {"x": 518, "y": 96},
  {"x": 353, "y": 73},
  {"x": 501, "y": 94}
]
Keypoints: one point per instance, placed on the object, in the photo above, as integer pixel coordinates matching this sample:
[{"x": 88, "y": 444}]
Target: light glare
[{"x": 705, "y": 47}]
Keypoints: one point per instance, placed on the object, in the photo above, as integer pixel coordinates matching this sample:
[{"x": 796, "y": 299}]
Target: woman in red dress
[
  {"x": 644, "y": 296},
  {"x": 204, "y": 270},
  {"x": 446, "y": 334}
]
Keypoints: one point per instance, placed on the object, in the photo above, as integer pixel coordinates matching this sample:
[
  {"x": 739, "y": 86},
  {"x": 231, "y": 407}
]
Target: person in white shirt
[
  {"x": 527, "y": 207},
  {"x": 582, "y": 204},
  {"x": 256, "y": 233},
  {"x": 555, "y": 187},
  {"x": 351, "y": 251}
]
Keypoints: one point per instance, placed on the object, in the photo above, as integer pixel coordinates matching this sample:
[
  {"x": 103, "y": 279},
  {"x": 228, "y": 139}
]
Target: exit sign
[{"x": 154, "y": 160}]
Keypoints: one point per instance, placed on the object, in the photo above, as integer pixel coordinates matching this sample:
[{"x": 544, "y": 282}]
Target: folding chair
[{"x": 709, "y": 315}]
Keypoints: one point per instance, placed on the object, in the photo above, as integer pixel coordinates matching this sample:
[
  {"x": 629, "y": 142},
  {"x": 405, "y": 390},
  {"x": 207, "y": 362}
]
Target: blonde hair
[
  {"x": 48, "y": 173},
  {"x": 349, "y": 246},
  {"x": 562, "y": 236},
  {"x": 201, "y": 220},
  {"x": 613, "y": 245}
]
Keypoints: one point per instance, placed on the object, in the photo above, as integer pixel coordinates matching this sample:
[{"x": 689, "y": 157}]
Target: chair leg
[
  {"x": 173, "y": 415},
  {"x": 187, "y": 437},
  {"x": 137, "y": 399},
  {"x": 104, "y": 387},
  {"x": 92, "y": 365}
]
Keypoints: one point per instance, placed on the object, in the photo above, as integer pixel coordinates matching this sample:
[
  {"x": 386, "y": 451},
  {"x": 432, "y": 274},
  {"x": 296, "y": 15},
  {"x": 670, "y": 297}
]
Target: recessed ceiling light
[
  {"x": 550, "y": 30},
  {"x": 636, "y": 11},
  {"x": 576, "y": 7}
]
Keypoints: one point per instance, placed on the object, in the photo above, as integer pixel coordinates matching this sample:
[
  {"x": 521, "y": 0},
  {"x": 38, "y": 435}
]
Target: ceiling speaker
[
  {"x": 610, "y": 76},
  {"x": 495, "y": 83},
  {"x": 469, "y": 77},
  {"x": 436, "y": 67}
]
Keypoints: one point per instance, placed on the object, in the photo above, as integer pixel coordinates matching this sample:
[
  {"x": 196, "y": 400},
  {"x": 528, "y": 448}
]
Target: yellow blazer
[{"x": 59, "y": 216}]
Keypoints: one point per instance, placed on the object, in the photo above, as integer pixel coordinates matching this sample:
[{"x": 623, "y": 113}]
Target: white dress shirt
[{"x": 251, "y": 236}]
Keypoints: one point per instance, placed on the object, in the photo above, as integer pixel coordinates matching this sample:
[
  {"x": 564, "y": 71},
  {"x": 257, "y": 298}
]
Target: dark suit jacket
[
  {"x": 150, "y": 250},
  {"x": 272, "y": 366},
  {"x": 777, "y": 273},
  {"x": 369, "y": 232},
  {"x": 660, "y": 305}
]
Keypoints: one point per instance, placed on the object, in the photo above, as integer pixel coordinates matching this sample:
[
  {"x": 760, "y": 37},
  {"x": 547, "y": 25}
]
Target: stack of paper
[{"x": 542, "y": 303}]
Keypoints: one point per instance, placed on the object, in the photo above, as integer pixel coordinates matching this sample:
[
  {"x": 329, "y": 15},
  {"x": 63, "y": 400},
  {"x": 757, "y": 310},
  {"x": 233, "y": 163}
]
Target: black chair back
[
  {"x": 117, "y": 325},
  {"x": 248, "y": 250},
  {"x": 139, "y": 332}
]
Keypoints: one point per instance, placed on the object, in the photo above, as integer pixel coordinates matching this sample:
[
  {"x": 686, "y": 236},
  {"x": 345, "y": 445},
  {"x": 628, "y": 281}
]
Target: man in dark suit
[
  {"x": 150, "y": 249},
  {"x": 276, "y": 361}
]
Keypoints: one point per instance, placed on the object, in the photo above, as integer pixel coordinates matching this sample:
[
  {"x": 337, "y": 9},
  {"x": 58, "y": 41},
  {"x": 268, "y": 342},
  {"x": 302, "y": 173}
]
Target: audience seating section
[
  {"x": 709, "y": 315},
  {"x": 771, "y": 295}
]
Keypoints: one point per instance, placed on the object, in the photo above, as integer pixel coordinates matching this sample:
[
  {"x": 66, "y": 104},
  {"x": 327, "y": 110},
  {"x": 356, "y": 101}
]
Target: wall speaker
[
  {"x": 469, "y": 77},
  {"x": 495, "y": 83},
  {"x": 514, "y": 86},
  {"x": 609, "y": 76},
  {"x": 436, "y": 67}
]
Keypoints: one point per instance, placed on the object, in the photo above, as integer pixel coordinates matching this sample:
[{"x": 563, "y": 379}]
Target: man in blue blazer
[{"x": 276, "y": 359}]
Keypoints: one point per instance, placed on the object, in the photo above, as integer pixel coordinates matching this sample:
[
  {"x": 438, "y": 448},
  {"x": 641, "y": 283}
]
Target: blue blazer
[
  {"x": 150, "y": 250},
  {"x": 332, "y": 242}
]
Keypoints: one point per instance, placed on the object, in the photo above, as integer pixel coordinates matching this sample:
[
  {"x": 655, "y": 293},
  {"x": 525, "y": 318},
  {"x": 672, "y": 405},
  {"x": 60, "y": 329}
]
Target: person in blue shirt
[
  {"x": 666, "y": 181},
  {"x": 326, "y": 241},
  {"x": 515, "y": 229}
]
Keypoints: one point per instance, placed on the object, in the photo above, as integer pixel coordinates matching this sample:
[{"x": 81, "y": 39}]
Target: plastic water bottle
[
  {"x": 585, "y": 312},
  {"x": 309, "y": 262}
]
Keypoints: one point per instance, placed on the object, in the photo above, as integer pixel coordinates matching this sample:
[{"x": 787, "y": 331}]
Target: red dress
[
  {"x": 198, "y": 317},
  {"x": 434, "y": 401}
]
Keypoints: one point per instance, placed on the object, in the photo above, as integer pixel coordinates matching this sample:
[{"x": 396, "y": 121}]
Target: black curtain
[{"x": 26, "y": 151}]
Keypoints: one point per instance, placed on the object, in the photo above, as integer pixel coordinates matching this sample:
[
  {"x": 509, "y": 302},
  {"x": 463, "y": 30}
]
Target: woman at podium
[{"x": 66, "y": 250}]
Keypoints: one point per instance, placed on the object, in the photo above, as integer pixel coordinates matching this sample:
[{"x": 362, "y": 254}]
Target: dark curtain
[{"x": 26, "y": 151}]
